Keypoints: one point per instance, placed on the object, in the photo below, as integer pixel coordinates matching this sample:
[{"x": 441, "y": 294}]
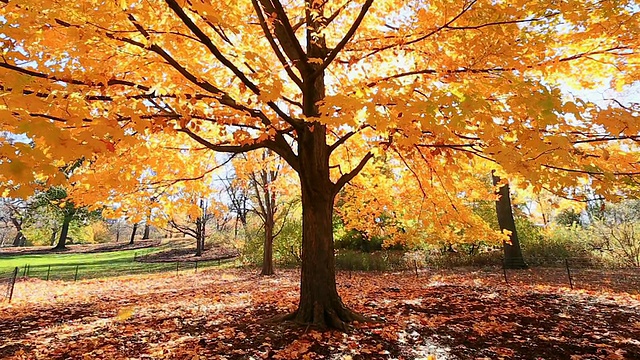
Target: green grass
[{"x": 91, "y": 265}]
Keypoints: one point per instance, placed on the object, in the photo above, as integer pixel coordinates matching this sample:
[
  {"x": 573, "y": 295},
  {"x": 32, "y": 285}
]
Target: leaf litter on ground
[{"x": 219, "y": 314}]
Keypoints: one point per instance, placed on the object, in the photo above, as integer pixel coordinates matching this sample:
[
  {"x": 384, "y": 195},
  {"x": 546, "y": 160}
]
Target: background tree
[
  {"x": 512, "y": 252},
  {"x": 269, "y": 182},
  {"x": 14, "y": 212},
  {"x": 56, "y": 199}
]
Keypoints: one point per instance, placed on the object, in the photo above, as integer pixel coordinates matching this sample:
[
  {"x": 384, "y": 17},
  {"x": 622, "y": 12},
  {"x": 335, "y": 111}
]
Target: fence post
[
  {"x": 196, "y": 266},
  {"x": 12, "y": 282},
  {"x": 48, "y": 271},
  {"x": 566, "y": 263},
  {"x": 75, "y": 278},
  {"x": 27, "y": 270},
  {"x": 24, "y": 270}
]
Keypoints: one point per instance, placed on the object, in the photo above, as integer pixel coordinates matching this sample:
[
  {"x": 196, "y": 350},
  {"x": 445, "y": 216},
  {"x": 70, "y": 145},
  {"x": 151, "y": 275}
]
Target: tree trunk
[
  {"x": 147, "y": 230},
  {"x": 54, "y": 232},
  {"x": 512, "y": 253},
  {"x": 62, "y": 241},
  {"x": 267, "y": 254},
  {"x": 133, "y": 233},
  {"x": 19, "y": 240},
  {"x": 320, "y": 303},
  {"x": 199, "y": 245}
]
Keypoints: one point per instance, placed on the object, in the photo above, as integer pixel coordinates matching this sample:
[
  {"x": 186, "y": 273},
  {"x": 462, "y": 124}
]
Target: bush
[
  {"x": 616, "y": 235},
  {"x": 375, "y": 261},
  {"x": 451, "y": 260},
  {"x": 558, "y": 243},
  {"x": 100, "y": 232},
  {"x": 286, "y": 246}
]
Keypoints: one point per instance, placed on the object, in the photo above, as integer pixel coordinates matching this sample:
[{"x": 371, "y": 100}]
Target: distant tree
[
  {"x": 133, "y": 233},
  {"x": 56, "y": 200},
  {"x": 14, "y": 212},
  {"x": 195, "y": 226},
  {"x": 512, "y": 252}
]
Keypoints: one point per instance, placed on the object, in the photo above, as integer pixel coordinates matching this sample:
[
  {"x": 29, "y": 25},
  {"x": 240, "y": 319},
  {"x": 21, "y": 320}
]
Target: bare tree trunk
[
  {"x": 19, "y": 239},
  {"x": 267, "y": 254},
  {"x": 133, "y": 233},
  {"x": 319, "y": 303},
  {"x": 512, "y": 252}
]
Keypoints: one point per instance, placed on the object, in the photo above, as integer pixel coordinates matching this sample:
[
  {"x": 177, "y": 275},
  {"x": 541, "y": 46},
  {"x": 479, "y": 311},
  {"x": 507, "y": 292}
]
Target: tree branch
[
  {"x": 274, "y": 46},
  {"x": 332, "y": 55},
  {"x": 344, "y": 179}
]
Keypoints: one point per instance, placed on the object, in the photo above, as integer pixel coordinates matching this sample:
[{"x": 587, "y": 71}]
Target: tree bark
[
  {"x": 133, "y": 233},
  {"x": 512, "y": 252},
  {"x": 19, "y": 239},
  {"x": 62, "y": 241},
  {"x": 267, "y": 254},
  {"x": 319, "y": 303},
  {"x": 147, "y": 230},
  {"x": 54, "y": 232}
]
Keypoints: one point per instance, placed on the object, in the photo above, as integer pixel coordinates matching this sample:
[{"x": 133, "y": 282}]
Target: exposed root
[{"x": 322, "y": 318}]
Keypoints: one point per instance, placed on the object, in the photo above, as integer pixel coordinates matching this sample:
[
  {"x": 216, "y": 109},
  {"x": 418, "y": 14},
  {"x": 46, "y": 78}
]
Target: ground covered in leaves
[{"x": 217, "y": 315}]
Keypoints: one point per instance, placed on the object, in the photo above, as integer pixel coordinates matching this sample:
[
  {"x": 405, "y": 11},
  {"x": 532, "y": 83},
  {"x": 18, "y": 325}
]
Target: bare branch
[
  {"x": 344, "y": 179},
  {"x": 274, "y": 46},
  {"x": 332, "y": 55}
]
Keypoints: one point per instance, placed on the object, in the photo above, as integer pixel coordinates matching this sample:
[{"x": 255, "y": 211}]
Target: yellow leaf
[{"x": 125, "y": 313}]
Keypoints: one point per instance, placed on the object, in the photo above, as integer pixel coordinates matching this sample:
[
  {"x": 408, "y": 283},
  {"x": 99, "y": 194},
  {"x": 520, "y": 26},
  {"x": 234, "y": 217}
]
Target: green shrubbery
[{"x": 286, "y": 246}]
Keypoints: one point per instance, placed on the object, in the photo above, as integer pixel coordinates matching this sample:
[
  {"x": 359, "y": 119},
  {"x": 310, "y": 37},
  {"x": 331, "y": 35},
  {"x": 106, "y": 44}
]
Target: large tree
[{"x": 435, "y": 82}]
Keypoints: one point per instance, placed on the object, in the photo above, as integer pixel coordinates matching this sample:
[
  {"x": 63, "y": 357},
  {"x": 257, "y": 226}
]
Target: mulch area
[
  {"x": 217, "y": 315},
  {"x": 79, "y": 249},
  {"x": 188, "y": 255}
]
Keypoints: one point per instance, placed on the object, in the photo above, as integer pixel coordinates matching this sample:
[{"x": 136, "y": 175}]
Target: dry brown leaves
[{"x": 217, "y": 315}]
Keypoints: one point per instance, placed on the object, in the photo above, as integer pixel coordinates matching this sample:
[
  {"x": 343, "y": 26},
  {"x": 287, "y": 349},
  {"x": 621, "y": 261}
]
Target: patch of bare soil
[
  {"x": 188, "y": 254},
  {"x": 79, "y": 249}
]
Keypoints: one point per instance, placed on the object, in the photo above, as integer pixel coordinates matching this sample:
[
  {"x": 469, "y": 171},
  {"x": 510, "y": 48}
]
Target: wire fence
[
  {"x": 570, "y": 272},
  {"x": 82, "y": 271}
]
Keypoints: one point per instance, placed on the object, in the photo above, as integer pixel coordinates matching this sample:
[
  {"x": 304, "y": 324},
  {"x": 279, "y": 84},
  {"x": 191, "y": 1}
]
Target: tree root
[{"x": 323, "y": 318}]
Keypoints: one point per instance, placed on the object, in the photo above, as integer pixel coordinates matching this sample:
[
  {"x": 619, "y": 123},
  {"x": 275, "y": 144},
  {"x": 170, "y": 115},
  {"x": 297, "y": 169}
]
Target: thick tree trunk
[
  {"x": 133, "y": 233},
  {"x": 512, "y": 253},
  {"x": 147, "y": 230},
  {"x": 320, "y": 303},
  {"x": 267, "y": 254},
  {"x": 62, "y": 241}
]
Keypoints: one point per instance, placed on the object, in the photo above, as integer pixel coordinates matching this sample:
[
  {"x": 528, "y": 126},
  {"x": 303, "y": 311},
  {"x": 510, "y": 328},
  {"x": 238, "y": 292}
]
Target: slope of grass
[{"x": 92, "y": 265}]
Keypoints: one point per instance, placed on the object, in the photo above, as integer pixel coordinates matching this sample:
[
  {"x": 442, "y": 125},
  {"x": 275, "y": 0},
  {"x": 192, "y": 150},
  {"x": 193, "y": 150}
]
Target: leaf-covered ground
[{"x": 216, "y": 315}]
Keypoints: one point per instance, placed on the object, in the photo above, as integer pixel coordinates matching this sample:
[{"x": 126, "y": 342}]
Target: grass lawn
[{"x": 61, "y": 266}]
